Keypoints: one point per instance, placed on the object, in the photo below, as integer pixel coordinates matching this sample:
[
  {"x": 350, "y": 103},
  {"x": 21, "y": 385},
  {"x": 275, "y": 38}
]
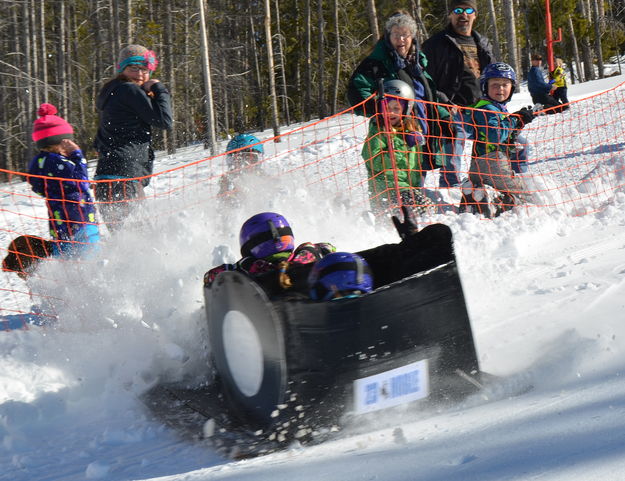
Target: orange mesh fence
[{"x": 366, "y": 164}]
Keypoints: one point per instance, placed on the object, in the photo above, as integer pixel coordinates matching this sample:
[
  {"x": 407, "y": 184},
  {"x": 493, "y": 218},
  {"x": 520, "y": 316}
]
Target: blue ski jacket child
[{"x": 70, "y": 204}]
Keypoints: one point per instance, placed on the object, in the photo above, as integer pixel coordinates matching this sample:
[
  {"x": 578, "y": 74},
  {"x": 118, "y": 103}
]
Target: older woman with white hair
[{"x": 395, "y": 56}]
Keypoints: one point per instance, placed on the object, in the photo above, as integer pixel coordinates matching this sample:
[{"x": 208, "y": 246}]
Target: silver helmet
[{"x": 399, "y": 88}]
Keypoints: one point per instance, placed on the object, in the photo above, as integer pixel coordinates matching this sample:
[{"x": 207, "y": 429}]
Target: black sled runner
[{"x": 288, "y": 367}]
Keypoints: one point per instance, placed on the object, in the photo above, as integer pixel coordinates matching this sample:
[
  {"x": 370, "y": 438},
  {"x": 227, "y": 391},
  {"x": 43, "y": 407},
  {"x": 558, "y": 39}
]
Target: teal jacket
[{"x": 493, "y": 130}]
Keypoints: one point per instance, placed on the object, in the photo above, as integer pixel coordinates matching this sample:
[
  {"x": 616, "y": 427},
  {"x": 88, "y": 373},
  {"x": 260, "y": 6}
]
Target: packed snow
[{"x": 546, "y": 296}]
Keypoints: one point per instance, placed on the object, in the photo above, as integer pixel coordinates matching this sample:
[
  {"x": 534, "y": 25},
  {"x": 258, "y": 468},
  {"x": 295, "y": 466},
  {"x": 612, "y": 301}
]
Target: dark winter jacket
[
  {"x": 445, "y": 64},
  {"x": 127, "y": 115},
  {"x": 70, "y": 204},
  {"x": 536, "y": 82}
]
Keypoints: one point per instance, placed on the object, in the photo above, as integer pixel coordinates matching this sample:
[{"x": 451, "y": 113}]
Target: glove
[
  {"x": 414, "y": 138},
  {"x": 409, "y": 226},
  {"x": 552, "y": 81},
  {"x": 442, "y": 97},
  {"x": 526, "y": 115}
]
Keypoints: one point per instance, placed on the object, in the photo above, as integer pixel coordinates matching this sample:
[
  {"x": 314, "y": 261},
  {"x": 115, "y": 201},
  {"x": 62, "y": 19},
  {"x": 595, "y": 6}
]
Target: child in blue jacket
[
  {"x": 495, "y": 158},
  {"x": 72, "y": 216}
]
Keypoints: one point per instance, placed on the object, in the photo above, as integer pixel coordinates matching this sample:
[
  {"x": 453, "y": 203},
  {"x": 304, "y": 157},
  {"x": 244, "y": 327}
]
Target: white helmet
[{"x": 399, "y": 88}]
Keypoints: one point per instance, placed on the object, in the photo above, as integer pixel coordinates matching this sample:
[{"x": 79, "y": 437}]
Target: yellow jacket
[{"x": 559, "y": 77}]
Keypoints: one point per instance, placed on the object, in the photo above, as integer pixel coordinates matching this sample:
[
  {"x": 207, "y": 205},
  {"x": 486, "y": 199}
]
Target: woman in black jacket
[{"x": 129, "y": 105}]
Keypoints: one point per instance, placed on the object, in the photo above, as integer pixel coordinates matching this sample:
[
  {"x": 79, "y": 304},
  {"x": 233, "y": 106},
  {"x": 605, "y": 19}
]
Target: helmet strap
[{"x": 273, "y": 234}]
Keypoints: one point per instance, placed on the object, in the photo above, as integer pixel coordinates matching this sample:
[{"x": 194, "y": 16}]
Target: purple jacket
[{"x": 69, "y": 202}]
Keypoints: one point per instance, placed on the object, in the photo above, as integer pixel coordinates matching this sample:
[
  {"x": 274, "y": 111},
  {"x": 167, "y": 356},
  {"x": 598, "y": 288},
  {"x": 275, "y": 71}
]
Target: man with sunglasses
[{"x": 456, "y": 58}]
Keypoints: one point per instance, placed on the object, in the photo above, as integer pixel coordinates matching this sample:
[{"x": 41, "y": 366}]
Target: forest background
[{"x": 62, "y": 51}]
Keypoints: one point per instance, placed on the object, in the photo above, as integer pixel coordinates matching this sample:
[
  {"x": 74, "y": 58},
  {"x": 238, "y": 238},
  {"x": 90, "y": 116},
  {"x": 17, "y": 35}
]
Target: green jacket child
[{"x": 393, "y": 154}]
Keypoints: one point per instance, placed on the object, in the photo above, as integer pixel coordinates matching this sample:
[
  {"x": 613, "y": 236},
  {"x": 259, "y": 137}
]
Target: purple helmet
[
  {"x": 341, "y": 273},
  {"x": 265, "y": 234},
  {"x": 497, "y": 70}
]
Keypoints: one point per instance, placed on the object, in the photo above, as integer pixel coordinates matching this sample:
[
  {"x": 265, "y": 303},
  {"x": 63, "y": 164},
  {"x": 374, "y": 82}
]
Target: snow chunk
[{"x": 97, "y": 470}]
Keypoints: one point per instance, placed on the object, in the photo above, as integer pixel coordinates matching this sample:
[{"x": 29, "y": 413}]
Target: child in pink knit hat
[{"x": 70, "y": 205}]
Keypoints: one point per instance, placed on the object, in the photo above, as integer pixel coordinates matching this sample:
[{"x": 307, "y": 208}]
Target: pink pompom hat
[{"x": 50, "y": 129}]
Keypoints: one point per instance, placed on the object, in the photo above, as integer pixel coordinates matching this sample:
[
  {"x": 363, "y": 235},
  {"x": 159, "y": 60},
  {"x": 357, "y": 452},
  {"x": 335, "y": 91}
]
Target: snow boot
[
  {"x": 504, "y": 203},
  {"x": 470, "y": 205}
]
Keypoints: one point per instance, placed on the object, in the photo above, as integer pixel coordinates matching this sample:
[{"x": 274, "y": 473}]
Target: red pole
[{"x": 549, "y": 35}]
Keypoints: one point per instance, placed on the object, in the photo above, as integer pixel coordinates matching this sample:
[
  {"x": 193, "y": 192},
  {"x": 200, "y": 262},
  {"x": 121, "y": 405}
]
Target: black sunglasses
[{"x": 460, "y": 10}]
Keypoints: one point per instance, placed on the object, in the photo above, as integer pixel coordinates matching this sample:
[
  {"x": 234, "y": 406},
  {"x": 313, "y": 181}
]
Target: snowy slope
[{"x": 546, "y": 295}]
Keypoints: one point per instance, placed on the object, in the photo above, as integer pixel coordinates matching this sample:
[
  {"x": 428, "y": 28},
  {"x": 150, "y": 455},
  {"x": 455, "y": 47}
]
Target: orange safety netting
[{"x": 575, "y": 165}]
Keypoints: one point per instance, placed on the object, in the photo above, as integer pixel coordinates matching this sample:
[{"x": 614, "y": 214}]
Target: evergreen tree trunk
[
  {"x": 527, "y": 48},
  {"x": 259, "y": 79},
  {"x": 509, "y": 15},
  {"x": 372, "y": 15},
  {"x": 188, "y": 124},
  {"x": 27, "y": 79},
  {"x": 589, "y": 71},
  {"x": 43, "y": 73},
  {"x": 495, "y": 36},
  {"x": 337, "y": 56},
  {"x": 578, "y": 64},
  {"x": 35, "y": 39},
  {"x": 78, "y": 108},
  {"x": 281, "y": 56},
  {"x": 4, "y": 144},
  {"x": 308, "y": 60},
  {"x": 129, "y": 18},
  {"x": 210, "y": 140},
  {"x": 97, "y": 66},
  {"x": 115, "y": 31},
  {"x": 613, "y": 20},
  {"x": 271, "y": 72},
  {"x": 297, "y": 74},
  {"x": 19, "y": 119},
  {"x": 320, "y": 61},
  {"x": 63, "y": 60},
  {"x": 416, "y": 13},
  {"x": 598, "y": 49},
  {"x": 170, "y": 135},
  {"x": 225, "y": 97}
]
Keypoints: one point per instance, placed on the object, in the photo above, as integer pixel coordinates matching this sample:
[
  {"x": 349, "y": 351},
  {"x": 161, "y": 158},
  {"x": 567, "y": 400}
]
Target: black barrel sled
[{"x": 287, "y": 365}]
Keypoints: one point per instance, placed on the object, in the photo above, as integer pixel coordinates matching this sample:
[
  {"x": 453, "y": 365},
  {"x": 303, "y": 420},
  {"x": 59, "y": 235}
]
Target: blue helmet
[
  {"x": 245, "y": 140},
  {"x": 265, "y": 234},
  {"x": 497, "y": 70},
  {"x": 341, "y": 273},
  {"x": 241, "y": 157}
]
